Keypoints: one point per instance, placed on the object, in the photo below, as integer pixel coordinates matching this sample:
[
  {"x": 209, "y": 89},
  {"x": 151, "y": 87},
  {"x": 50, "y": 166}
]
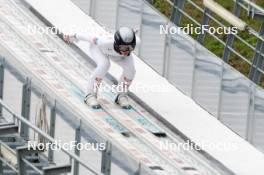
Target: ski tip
[
  {"x": 126, "y": 134},
  {"x": 156, "y": 168},
  {"x": 160, "y": 134},
  {"x": 97, "y": 107},
  {"x": 127, "y": 107}
]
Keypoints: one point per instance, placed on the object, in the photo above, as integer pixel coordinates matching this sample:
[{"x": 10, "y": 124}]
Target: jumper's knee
[
  {"x": 129, "y": 73},
  {"x": 103, "y": 68}
]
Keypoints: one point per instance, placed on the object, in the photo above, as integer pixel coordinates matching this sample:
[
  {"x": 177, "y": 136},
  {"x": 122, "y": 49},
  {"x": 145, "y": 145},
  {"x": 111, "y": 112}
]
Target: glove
[{"x": 69, "y": 38}]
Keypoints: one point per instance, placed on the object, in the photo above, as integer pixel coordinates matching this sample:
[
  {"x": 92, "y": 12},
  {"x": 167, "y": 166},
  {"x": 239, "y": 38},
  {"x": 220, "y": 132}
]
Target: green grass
[{"x": 211, "y": 43}]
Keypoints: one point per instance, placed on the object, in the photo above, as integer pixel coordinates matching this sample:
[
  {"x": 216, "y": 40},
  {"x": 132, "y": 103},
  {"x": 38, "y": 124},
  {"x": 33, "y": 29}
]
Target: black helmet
[{"x": 124, "y": 36}]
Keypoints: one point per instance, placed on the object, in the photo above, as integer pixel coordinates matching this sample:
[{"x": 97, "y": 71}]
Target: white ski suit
[{"x": 102, "y": 50}]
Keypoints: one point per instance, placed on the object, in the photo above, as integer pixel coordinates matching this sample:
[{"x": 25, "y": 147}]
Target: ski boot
[
  {"x": 122, "y": 100},
  {"x": 91, "y": 100}
]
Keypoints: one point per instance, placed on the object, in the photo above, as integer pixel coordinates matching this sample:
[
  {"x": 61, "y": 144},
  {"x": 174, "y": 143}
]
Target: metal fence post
[
  {"x": 77, "y": 151},
  {"x": 201, "y": 37},
  {"x": 141, "y": 28},
  {"x": 138, "y": 170},
  {"x": 1, "y": 82},
  {"x": 230, "y": 37},
  {"x": 251, "y": 116},
  {"x": 52, "y": 130},
  {"x": 176, "y": 14},
  {"x": 192, "y": 91},
  {"x": 21, "y": 164},
  {"x": 92, "y": 8},
  {"x": 1, "y": 168},
  {"x": 166, "y": 56},
  {"x": 219, "y": 110},
  {"x": 26, "y": 98},
  {"x": 117, "y": 15},
  {"x": 106, "y": 159},
  {"x": 254, "y": 74}
]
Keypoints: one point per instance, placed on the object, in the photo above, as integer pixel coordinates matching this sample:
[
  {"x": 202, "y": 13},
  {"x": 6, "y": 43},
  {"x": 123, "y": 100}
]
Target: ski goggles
[{"x": 125, "y": 48}]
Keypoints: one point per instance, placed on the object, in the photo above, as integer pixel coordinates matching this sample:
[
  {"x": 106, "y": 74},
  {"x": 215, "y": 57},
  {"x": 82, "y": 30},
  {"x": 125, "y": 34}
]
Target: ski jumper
[{"x": 102, "y": 50}]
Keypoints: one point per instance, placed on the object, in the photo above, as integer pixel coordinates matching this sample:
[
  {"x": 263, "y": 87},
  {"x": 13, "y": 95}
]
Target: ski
[
  {"x": 137, "y": 116},
  {"x": 101, "y": 112}
]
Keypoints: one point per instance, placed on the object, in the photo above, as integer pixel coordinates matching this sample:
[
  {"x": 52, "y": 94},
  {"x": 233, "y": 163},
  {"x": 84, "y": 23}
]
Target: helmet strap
[{"x": 116, "y": 48}]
